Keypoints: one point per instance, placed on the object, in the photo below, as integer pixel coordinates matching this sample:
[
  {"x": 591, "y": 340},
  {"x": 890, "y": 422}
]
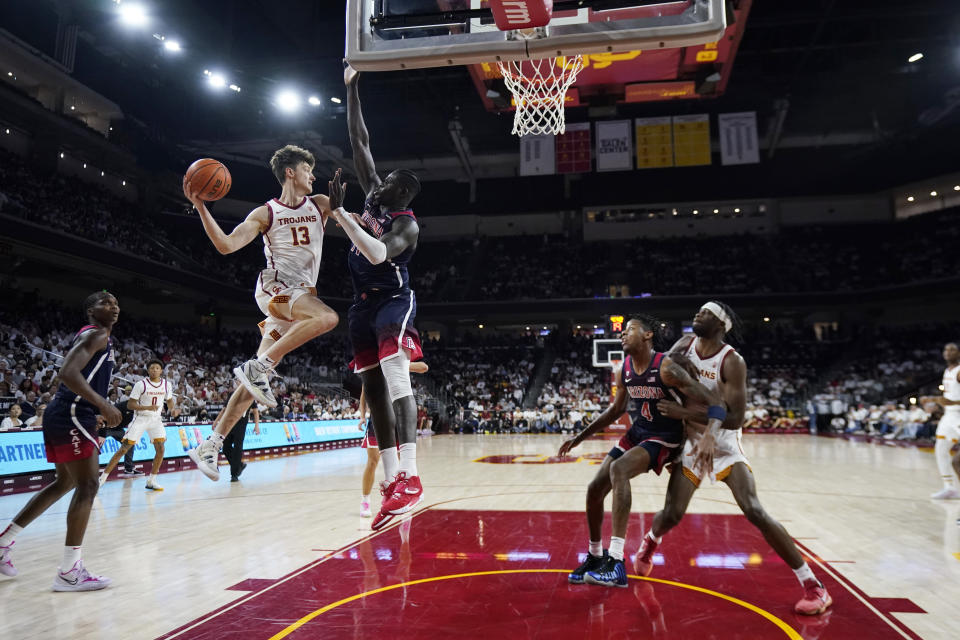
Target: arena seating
[{"x": 837, "y": 258}]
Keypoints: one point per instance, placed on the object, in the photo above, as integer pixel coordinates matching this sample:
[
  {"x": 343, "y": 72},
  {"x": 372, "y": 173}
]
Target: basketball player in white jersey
[
  {"x": 717, "y": 452},
  {"x": 292, "y": 228},
  {"x": 948, "y": 429},
  {"x": 146, "y": 401}
]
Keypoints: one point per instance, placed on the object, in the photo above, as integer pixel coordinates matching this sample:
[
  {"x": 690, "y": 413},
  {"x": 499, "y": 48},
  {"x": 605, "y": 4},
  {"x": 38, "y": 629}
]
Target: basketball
[{"x": 209, "y": 177}]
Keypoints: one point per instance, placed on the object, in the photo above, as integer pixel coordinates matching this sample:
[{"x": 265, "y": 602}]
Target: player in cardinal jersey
[
  {"x": 384, "y": 307},
  {"x": 292, "y": 228},
  {"x": 146, "y": 401},
  {"x": 715, "y": 451},
  {"x": 652, "y": 441},
  {"x": 948, "y": 429},
  {"x": 70, "y": 439}
]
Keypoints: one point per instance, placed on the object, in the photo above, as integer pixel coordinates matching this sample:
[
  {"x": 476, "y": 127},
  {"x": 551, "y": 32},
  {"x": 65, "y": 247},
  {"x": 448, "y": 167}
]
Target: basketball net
[{"x": 539, "y": 89}]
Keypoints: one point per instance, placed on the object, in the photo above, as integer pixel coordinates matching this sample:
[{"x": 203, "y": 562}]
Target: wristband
[{"x": 716, "y": 412}]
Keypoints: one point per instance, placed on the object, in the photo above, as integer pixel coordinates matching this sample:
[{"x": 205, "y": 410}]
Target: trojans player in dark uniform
[
  {"x": 70, "y": 439},
  {"x": 381, "y": 319},
  {"x": 646, "y": 377}
]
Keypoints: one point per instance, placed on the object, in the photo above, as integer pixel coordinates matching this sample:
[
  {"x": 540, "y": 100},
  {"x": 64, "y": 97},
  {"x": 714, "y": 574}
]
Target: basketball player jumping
[
  {"x": 70, "y": 439},
  {"x": 146, "y": 399},
  {"x": 382, "y": 334},
  {"x": 948, "y": 429},
  {"x": 292, "y": 229},
  {"x": 652, "y": 441},
  {"x": 717, "y": 452}
]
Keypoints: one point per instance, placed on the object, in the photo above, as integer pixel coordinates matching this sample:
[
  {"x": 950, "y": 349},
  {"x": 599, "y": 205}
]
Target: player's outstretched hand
[
  {"x": 337, "y": 191},
  {"x": 111, "y": 415},
  {"x": 350, "y": 74},
  {"x": 567, "y": 446}
]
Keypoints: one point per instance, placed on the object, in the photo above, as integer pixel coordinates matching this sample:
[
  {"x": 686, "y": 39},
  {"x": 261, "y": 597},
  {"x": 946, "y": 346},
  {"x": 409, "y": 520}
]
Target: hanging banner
[
  {"x": 691, "y": 140},
  {"x": 654, "y": 142},
  {"x": 614, "y": 145},
  {"x": 538, "y": 156},
  {"x": 573, "y": 148},
  {"x": 738, "y": 138}
]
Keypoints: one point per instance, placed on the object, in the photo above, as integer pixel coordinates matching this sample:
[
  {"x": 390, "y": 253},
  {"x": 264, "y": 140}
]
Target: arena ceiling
[{"x": 835, "y": 73}]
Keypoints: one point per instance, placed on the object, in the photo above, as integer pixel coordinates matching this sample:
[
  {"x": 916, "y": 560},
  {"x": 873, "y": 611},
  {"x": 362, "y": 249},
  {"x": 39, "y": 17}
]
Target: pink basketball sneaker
[
  {"x": 6, "y": 566},
  {"x": 79, "y": 579}
]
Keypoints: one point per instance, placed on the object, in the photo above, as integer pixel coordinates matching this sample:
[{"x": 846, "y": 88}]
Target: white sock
[
  {"x": 216, "y": 438},
  {"x": 153, "y": 477},
  {"x": 268, "y": 363},
  {"x": 9, "y": 535},
  {"x": 616, "y": 548},
  {"x": 941, "y": 451},
  {"x": 654, "y": 538},
  {"x": 391, "y": 463},
  {"x": 804, "y": 574},
  {"x": 596, "y": 548},
  {"x": 366, "y": 498},
  {"x": 408, "y": 458},
  {"x": 71, "y": 555}
]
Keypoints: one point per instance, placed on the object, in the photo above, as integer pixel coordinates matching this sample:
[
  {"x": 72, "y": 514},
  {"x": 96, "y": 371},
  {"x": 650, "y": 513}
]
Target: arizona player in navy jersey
[
  {"x": 646, "y": 377},
  {"x": 70, "y": 439},
  {"x": 381, "y": 319}
]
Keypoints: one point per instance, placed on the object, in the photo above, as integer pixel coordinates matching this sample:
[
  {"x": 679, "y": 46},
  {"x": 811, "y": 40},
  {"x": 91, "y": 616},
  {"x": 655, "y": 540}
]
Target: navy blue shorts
[
  {"x": 69, "y": 435},
  {"x": 661, "y": 449},
  {"x": 380, "y": 325}
]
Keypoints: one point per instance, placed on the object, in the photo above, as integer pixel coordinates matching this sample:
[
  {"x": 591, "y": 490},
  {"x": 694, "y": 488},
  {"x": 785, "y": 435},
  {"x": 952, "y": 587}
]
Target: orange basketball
[{"x": 209, "y": 177}]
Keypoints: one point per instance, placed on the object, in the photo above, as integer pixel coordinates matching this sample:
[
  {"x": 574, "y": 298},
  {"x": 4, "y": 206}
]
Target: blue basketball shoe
[{"x": 612, "y": 573}]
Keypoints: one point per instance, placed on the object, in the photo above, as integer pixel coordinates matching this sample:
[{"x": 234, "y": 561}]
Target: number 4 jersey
[{"x": 646, "y": 389}]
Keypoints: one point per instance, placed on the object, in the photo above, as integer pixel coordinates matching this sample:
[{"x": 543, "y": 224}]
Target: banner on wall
[
  {"x": 23, "y": 451},
  {"x": 538, "y": 156},
  {"x": 654, "y": 142},
  {"x": 614, "y": 145},
  {"x": 738, "y": 138},
  {"x": 573, "y": 148},
  {"x": 691, "y": 140}
]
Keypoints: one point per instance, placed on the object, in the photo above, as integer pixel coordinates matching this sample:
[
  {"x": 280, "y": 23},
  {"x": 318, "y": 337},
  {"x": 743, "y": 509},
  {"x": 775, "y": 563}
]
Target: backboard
[
  {"x": 385, "y": 35},
  {"x": 607, "y": 351}
]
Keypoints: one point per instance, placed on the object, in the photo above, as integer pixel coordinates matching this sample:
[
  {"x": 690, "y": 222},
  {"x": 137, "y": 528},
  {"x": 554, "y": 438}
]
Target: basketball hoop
[{"x": 539, "y": 88}]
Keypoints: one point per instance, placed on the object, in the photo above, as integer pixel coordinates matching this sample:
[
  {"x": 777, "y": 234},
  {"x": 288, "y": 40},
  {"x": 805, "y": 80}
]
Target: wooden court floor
[{"x": 284, "y": 552}]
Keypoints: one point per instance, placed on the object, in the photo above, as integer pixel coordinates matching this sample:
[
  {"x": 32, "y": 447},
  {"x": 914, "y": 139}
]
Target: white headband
[{"x": 718, "y": 311}]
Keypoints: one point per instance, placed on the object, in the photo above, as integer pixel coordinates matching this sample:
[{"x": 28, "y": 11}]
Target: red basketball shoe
[
  {"x": 407, "y": 493},
  {"x": 643, "y": 562},
  {"x": 815, "y": 599},
  {"x": 383, "y": 518}
]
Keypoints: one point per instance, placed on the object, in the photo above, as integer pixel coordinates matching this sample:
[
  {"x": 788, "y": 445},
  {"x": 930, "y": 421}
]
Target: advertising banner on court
[
  {"x": 24, "y": 452},
  {"x": 738, "y": 138},
  {"x": 538, "y": 156},
  {"x": 614, "y": 145}
]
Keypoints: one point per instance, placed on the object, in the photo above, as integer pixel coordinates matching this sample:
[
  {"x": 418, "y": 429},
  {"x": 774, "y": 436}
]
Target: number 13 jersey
[{"x": 293, "y": 242}]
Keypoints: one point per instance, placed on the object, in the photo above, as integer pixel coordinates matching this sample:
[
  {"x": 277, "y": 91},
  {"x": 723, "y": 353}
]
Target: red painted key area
[{"x": 499, "y": 574}]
